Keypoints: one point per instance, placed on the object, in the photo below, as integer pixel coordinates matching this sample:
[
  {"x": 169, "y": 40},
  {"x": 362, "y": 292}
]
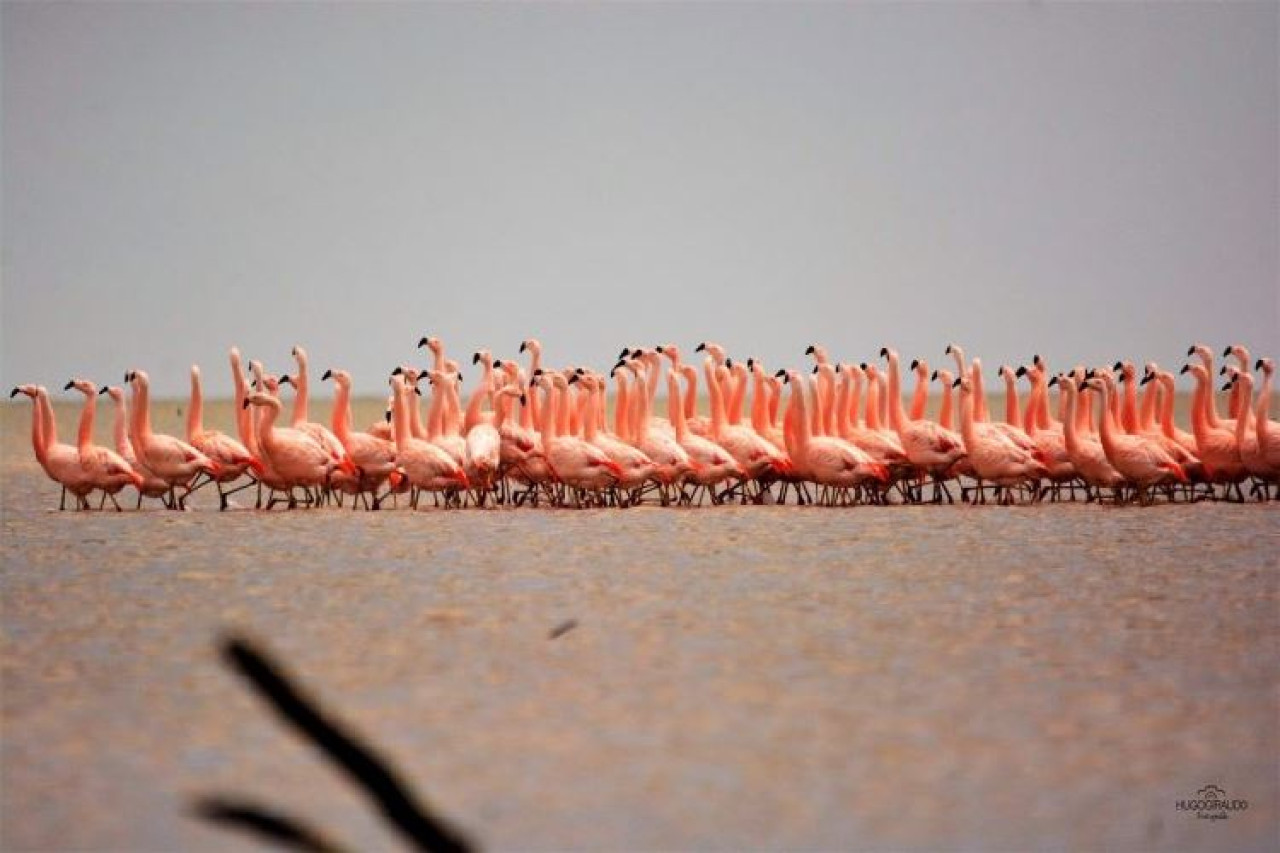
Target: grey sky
[{"x": 1089, "y": 181}]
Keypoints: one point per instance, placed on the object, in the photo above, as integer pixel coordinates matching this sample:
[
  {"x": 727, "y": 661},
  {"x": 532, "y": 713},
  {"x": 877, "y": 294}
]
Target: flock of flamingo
[{"x": 530, "y": 435}]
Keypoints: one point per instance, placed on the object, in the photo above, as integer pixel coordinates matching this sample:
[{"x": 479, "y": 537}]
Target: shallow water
[{"x": 1015, "y": 678}]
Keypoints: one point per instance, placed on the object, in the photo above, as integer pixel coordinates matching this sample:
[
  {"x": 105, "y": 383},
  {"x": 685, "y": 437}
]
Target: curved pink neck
[
  {"x": 897, "y": 416},
  {"x": 675, "y": 408},
  {"x": 84, "y": 438},
  {"x": 342, "y": 418},
  {"x": 300, "y": 411},
  {"x": 195, "y": 411}
]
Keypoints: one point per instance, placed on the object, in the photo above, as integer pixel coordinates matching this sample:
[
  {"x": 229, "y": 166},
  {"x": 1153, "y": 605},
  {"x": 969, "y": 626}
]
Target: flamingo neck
[
  {"x": 716, "y": 393},
  {"x": 1147, "y": 416},
  {"x": 980, "y": 393},
  {"x": 842, "y": 407},
  {"x": 400, "y": 418},
  {"x": 195, "y": 411},
  {"x": 37, "y": 430},
  {"x": 300, "y": 411},
  {"x": 342, "y": 419},
  {"x": 944, "y": 414},
  {"x": 1012, "y": 408},
  {"x": 738, "y": 379},
  {"x": 897, "y": 417},
  {"x": 691, "y": 396},
  {"x": 1244, "y": 420},
  {"x": 920, "y": 399},
  {"x": 120, "y": 428},
  {"x": 675, "y": 408},
  {"x": 873, "y": 402},
  {"x": 621, "y": 426},
  {"x": 1129, "y": 409},
  {"x": 84, "y": 437},
  {"x": 1069, "y": 422},
  {"x": 244, "y": 418},
  {"x": 1107, "y": 424}
]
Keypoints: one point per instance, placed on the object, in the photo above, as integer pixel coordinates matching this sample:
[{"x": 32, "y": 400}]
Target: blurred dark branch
[
  {"x": 393, "y": 796},
  {"x": 264, "y": 823}
]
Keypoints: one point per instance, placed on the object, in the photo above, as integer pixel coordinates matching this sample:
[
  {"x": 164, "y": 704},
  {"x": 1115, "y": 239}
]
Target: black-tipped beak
[
  {"x": 422, "y": 342},
  {"x": 497, "y": 362},
  {"x": 659, "y": 350},
  {"x": 700, "y": 347},
  {"x": 751, "y": 363},
  {"x": 809, "y": 350},
  {"x": 948, "y": 352},
  {"x": 104, "y": 389},
  {"x": 1035, "y": 359},
  {"x": 573, "y": 379},
  {"x": 620, "y": 363},
  {"x": 1089, "y": 374},
  {"x": 328, "y": 374},
  {"x": 1053, "y": 381},
  {"x": 728, "y": 362},
  {"x": 1081, "y": 386},
  {"x": 815, "y": 369},
  {"x": 417, "y": 390},
  {"x": 287, "y": 380},
  {"x": 863, "y": 365},
  {"x": 538, "y": 372},
  {"x": 934, "y": 377},
  {"x": 1147, "y": 378},
  {"x": 523, "y": 345},
  {"x": 1226, "y": 352},
  {"x": 1184, "y": 369},
  {"x": 13, "y": 393},
  {"x": 1191, "y": 350},
  {"x": 522, "y": 398},
  {"x": 1021, "y": 371},
  {"x": 398, "y": 371},
  {"x": 956, "y": 383},
  {"x": 781, "y": 374},
  {"x": 626, "y": 351},
  {"x": 915, "y": 362},
  {"x": 128, "y": 377},
  {"x": 1257, "y": 365},
  {"x": 68, "y": 386},
  {"x": 884, "y": 352},
  {"x": 1226, "y": 386},
  {"x": 245, "y": 404},
  {"x": 475, "y": 358},
  {"x": 580, "y": 371},
  {"x": 388, "y": 415},
  {"x": 1222, "y": 371},
  {"x": 1117, "y": 366}
]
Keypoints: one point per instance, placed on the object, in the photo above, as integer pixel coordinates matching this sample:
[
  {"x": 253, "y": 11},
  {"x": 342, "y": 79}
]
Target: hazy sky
[{"x": 1087, "y": 181}]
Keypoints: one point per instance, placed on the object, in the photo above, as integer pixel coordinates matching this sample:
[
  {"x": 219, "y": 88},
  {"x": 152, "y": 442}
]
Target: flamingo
[
  {"x": 1138, "y": 459},
  {"x": 428, "y": 467},
  {"x": 295, "y": 456},
  {"x": 1217, "y": 445},
  {"x": 373, "y": 457},
  {"x": 927, "y": 445},
  {"x": 1251, "y": 455},
  {"x": 107, "y": 469},
  {"x": 171, "y": 459},
  {"x": 993, "y": 456},
  {"x": 572, "y": 461},
  {"x": 713, "y": 464},
  {"x": 1267, "y": 430},
  {"x": 828, "y": 461},
  {"x": 1084, "y": 450},
  {"x": 152, "y": 486},
  {"x": 61, "y": 462},
  {"x": 233, "y": 458}
]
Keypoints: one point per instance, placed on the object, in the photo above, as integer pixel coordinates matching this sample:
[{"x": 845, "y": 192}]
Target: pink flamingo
[
  {"x": 293, "y": 455},
  {"x": 374, "y": 458},
  {"x": 107, "y": 469},
  {"x": 61, "y": 462},
  {"x": 1267, "y": 430},
  {"x": 171, "y": 459},
  {"x": 1084, "y": 450},
  {"x": 713, "y": 463},
  {"x": 993, "y": 456},
  {"x": 233, "y": 458},
  {"x": 1217, "y": 445},
  {"x": 572, "y": 461},
  {"x": 428, "y": 467},
  {"x": 927, "y": 445},
  {"x": 754, "y": 454},
  {"x": 152, "y": 486},
  {"x": 827, "y": 461},
  {"x": 1138, "y": 459},
  {"x": 1251, "y": 455}
]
